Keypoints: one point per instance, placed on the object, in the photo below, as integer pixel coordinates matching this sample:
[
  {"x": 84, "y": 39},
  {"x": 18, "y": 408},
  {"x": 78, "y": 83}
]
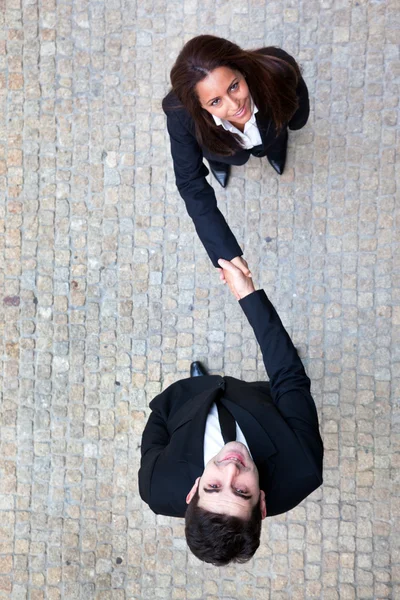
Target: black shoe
[
  {"x": 278, "y": 165},
  {"x": 221, "y": 172},
  {"x": 276, "y": 159},
  {"x": 197, "y": 369}
]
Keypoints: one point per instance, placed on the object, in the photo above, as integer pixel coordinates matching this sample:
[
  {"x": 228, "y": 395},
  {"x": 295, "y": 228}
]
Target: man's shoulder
[
  {"x": 285, "y": 495},
  {"x": 191, "y": 385},
  {"x": 166, "y": 483},
  {"x": 187, "y": 392}
]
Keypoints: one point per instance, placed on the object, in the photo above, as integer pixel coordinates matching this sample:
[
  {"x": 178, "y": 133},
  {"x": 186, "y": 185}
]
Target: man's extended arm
[
  {"x": 290, "y": 386},
  {"x": 283, "y": 365}
]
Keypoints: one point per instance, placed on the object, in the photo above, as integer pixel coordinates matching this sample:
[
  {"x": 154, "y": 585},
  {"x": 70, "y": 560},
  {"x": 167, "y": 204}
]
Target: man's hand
[
  {"x": 239, "y": 284},
  {"x": 240, "y": 263}
]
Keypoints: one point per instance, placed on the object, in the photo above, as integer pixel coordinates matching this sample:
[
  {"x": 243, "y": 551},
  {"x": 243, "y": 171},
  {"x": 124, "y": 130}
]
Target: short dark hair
[{"x": 218, "y": 538}]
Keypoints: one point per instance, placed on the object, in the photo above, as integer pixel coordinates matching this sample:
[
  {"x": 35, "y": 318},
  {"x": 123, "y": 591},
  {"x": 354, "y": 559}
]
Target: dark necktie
[{"x": 227, "y": 423}]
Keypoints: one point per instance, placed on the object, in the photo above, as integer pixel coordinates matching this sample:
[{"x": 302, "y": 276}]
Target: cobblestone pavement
[{"x": 107, "y": 295}]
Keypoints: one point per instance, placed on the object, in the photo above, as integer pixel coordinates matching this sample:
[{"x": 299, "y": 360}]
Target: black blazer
[
  {"x": 190, "y": 171},
  {"x": 279, "y": 421}
]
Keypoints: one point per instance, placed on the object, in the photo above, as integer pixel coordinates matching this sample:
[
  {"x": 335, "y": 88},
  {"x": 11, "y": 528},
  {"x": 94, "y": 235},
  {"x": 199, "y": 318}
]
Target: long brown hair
[{"x": 272, "y": 82}]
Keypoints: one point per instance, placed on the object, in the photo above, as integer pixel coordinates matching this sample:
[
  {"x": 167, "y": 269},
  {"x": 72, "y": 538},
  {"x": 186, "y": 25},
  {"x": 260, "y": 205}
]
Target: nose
[
  {"x": 231, "y": 469},
  {"x": 233, "y": 103}
]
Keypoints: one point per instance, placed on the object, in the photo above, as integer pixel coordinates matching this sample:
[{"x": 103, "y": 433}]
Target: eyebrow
[
  {"x": 229, "y": 86},
  {"x": 211, "y": 491}
]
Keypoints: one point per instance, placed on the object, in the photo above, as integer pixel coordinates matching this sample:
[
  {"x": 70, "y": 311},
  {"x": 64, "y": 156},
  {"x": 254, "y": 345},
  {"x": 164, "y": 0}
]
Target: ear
[
  {"x": 193, "y": 491},
  {"x": 263, "y": 505}
]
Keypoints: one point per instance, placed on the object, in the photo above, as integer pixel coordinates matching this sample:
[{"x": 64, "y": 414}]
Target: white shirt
[
  {"x": 250, "y": 137},
  {"x": 213, "y": 440}
]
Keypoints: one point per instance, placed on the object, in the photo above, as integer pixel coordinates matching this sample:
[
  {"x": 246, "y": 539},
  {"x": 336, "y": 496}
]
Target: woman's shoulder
[
  {"x": 171, "y": 103},
  {"x": 177, "y": 115},
  {"x": 277, "y": 53}
]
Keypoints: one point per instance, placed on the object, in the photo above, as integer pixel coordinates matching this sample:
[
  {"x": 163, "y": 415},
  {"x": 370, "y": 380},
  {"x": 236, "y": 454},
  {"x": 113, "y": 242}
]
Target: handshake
[{"x": 237, "y": 275}]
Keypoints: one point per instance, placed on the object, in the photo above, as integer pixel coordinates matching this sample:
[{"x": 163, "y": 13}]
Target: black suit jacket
[
  {"x": 190, "y": 171},
  {"x": 279, "y": 421}
]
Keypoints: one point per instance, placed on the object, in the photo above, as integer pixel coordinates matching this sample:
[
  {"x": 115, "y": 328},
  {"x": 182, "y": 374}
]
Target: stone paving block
[{"x": 106, "y": 295}]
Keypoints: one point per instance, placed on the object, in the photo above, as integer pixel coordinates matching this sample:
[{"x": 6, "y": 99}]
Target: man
[{"x": 225, "y": 453}]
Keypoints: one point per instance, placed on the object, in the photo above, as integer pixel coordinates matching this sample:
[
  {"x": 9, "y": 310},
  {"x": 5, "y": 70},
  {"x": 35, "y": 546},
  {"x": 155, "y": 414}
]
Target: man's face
[{"x": 229, "y": 483}]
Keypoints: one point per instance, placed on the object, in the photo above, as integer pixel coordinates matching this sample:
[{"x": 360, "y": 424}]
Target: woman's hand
[
  {"x": 240, "y": 285},
  {"x": 238, "y": 262}
]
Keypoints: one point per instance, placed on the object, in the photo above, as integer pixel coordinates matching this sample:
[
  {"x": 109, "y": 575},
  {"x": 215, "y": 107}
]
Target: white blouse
[
  {"x": 213, "y": 440},
  {"x": 250, "y": 137}
]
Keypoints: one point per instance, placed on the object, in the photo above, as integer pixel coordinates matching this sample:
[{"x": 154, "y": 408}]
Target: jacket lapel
[
  {"x": 255, "y": 412},
  {"x": 262, "y": 448},
  {"x": 189, "y": 409},
  {"x": 251, "y": 398},
  {"x": 250, "y": 408},
  {"x": 193, "y": 447},
  {"x": 264, "y": 127}
]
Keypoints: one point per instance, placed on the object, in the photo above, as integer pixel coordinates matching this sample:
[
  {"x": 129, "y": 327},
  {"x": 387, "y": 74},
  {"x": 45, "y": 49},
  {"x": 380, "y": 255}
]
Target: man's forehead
[{"x": 225, "y": 504}]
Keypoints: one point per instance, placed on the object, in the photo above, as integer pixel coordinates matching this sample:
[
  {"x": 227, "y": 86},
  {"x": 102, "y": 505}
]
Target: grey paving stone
[{"x": 106, "y": 295}]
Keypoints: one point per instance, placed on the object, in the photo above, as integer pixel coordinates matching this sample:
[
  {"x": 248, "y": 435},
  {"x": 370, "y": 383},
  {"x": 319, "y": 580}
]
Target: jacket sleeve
[
  {"x": 290, "y": 386},
  {"x": 199, "y": 196}
]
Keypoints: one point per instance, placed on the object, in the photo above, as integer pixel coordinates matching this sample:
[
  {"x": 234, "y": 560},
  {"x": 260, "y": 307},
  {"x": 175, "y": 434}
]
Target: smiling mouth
[
  {"x": 234, "y": 458},
  {"x": 240, "y": 112}
]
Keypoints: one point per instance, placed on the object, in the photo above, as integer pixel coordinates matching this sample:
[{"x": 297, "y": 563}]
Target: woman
[{"x": 226, "y": 104}]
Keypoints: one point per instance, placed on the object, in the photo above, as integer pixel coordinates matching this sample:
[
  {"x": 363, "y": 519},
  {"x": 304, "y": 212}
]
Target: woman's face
[{"x": 225, "y": 94}]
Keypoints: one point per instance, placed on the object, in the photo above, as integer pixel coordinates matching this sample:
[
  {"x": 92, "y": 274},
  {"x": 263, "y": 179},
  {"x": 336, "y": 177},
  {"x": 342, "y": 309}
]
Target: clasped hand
[{"x": 237, "y": 275}]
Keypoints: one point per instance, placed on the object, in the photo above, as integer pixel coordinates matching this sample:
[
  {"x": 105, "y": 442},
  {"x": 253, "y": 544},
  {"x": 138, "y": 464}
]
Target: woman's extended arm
[{"x": 199, "y": 196}]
